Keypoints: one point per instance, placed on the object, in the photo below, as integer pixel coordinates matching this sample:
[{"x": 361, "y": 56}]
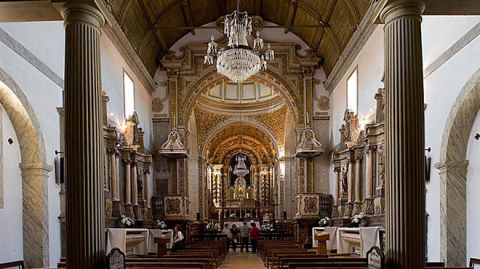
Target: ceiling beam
[
  {"x": 158, "y": 38},
  {"x": 292, "y": 13},
  {"x": 331, "y": 4},
  {"x": 167, "y": 10},
  {"x": 123, "y": 10},
  {"x": 449, "y": 7}
]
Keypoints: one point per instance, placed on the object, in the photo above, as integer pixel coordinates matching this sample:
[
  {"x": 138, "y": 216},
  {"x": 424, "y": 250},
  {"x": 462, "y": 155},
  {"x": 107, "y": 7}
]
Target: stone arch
[
  {"x": 195, "y": 89},
  {"x": 34, "y": 172},
  {"x": 453, "y": 173},
  {"x": 232, "y": 121}
]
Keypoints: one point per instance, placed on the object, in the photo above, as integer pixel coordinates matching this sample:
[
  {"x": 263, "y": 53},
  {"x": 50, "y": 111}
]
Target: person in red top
[{"x": 254, "y": 236}]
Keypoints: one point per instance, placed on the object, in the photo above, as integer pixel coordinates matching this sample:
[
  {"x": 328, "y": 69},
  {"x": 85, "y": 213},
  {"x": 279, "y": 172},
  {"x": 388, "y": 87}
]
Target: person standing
[
  {"x": 244, "y": 236},
  {"x": 226, "y": 231},
  {"x": 234, "y": 238},
  {"x": 254, "y": 236},
  {"x": 178, "y": 238}
]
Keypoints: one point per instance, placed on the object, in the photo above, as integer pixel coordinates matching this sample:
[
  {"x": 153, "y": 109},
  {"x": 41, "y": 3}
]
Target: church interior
[{"x": 179, "y": 133}]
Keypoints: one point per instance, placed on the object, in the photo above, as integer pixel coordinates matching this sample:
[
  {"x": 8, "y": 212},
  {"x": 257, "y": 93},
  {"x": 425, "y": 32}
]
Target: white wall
[
  {"x": 441, "y": 89},
  {"x": 473, "y": 199},
  {"x": 11, "y": 213}
]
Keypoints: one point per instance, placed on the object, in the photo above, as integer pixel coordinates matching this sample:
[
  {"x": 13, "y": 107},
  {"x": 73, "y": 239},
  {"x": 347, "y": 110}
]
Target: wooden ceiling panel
[
  {"x": 342, "y": 23},
  {"x": 316, "y": 5},
  {"x": 117, "y": 8},
  {"x": 138, "y": 17},
  {"x": 136, "y": 25},
  {"x": 150, "y": 52}
]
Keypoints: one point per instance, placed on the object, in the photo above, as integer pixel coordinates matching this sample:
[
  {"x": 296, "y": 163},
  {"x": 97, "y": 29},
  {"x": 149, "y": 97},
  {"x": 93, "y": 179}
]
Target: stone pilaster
[
  {"x": 128, "y": 190},
  {"x": 35, "y": 212},
  {"x": 84, "y": 150},
  {"x": 369, "y": 207},
  {"x": 116, "y": 209},
  {"x": 404, "y": 134},
  {"x": 453, "y": 230}
]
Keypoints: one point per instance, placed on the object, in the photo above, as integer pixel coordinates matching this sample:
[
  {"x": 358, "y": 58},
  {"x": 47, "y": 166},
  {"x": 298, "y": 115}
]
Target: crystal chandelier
[{"x": 238, "y": 61}]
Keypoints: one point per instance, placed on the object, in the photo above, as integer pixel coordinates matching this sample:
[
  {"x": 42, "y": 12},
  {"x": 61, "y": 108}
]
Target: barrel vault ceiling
[{"x": 153, "y": 26}]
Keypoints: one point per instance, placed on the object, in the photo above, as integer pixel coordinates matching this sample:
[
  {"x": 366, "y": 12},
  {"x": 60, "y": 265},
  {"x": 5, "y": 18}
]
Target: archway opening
[{"x": 34, "y": 171}]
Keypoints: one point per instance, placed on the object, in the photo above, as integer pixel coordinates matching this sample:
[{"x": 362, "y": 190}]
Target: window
[
  {"x": 128, "y": 94},
  {"x": 352, "y": 91}
]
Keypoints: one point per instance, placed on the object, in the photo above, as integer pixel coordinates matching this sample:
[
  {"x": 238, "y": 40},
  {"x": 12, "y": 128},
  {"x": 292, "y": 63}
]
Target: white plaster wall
[
  {"x": 441, "y": 90},
  {"x": 473, "y": 199},
  {"x": 113, "y": 66},
  {"x": 11, "y": 214}
]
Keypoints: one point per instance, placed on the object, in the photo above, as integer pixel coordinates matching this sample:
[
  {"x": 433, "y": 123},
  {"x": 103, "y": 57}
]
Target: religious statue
[
  {"x": 131, "y": 131},
  {"x": 309, "y": 146}
]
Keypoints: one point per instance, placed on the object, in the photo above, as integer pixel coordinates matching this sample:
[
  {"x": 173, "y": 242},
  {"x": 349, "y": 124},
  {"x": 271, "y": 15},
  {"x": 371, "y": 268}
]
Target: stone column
[
  {"x": 146, "y": 189},
  {"x": 405, "y": 135},
  {"x": 84, "y": 150},
  {"x": 338, "y": 186},
  {"x": 369, "y": 202},
  {"x": 115, "y": 185},
  {"x": 135, "y": 190},
  {"x": 358, "y": 185},
  {"x": 128, "y": 190},
  {"x": 349, "y": 206},
  {"x": 35, "y": 207}
]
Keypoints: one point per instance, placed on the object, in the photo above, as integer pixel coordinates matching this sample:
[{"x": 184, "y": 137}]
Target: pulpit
[{"x": 322, "y": 238}]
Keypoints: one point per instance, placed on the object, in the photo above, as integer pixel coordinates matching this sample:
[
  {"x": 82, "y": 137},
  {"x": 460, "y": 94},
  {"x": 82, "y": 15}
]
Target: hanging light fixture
[{"x": 238, "y": 61}]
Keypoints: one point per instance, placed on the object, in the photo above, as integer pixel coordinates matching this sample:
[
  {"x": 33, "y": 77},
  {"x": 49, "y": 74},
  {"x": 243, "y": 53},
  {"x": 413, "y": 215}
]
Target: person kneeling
[{"x": 178, "y": 239}]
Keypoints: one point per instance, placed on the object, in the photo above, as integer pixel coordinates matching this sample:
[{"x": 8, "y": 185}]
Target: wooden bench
[{"x": 15, "y": 264}]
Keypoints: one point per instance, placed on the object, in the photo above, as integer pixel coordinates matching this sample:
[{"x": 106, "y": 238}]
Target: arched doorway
[
  {"x": 453, "y": 173},
  {"x": 34, "y": 172}
]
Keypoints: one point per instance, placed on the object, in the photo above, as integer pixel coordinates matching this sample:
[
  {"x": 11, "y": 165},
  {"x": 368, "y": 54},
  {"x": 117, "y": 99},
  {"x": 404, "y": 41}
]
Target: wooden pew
[
  {"x": 320, "y": 265},
  {"x": 17, "y": 264},
  {"x": 284, "y": 263}
]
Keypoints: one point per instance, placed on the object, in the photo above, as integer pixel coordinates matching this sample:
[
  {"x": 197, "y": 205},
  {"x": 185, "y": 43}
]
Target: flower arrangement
[
  {"x": 267, "y": 227},
  {"x": 213, "y": 227},
  {"x": 127, "y": 221},
  {"x": 324, "y": 222},
  {"x": 357, "y": 219},
  {"x": 161, "y": 224}
]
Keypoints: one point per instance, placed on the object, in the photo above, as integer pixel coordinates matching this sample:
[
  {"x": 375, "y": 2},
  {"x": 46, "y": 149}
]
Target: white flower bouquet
[
  {"x": 324, "y": 222},
  {"x": 267, "y": 227},
  {"x": 213, "y": 227},
  {"x": 357, "y": 219},
  {"x": 161, "y": 224},
  {"x": 127, "y": 221}
]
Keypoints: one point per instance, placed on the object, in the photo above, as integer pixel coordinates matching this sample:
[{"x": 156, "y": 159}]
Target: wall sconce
[
  {"x": 59, "y": 164},
  {"x": 428, "y": 164}
]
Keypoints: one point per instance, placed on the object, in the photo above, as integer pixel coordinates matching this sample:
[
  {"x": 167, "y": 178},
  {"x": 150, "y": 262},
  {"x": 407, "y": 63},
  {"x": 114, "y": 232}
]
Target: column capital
[
  {"x": 399, "y": 8},
  {"x": 84, "y": 12},
  {"x": 35, "y": 169}
]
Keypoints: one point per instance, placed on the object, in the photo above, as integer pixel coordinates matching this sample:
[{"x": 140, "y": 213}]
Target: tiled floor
[{"x": 242, "y": 260}]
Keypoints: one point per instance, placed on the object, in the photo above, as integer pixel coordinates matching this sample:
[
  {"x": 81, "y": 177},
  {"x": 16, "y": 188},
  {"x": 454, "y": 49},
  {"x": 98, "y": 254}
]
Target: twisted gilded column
[
  {"x": 84, "y": 151},
  {"x": 404, "y": 133}
]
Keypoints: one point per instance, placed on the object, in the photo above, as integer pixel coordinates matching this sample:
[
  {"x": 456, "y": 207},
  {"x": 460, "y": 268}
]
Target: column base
[
  {"x": 108, "y": 208},
  {"x": 129, "y": 211},
  {"x": 335, "y": 211},
  {"x": 369, "y": 207},
  {"x": 357, "y": 208},
  {"x": 138, "y": 212},
  {"x": 147, "y": 213},
  {"x": 379, "y": 204},
  {"x": 116, "y": 210},
  {"x": 348, "y": 210}
]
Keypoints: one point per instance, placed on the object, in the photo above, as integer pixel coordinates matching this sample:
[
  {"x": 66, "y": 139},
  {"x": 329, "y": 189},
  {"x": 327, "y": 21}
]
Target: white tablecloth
[
  {"x": 368, "y": 236},
  {"x": 117, "y": 238},
  {"x": 332, "y": 231}
]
